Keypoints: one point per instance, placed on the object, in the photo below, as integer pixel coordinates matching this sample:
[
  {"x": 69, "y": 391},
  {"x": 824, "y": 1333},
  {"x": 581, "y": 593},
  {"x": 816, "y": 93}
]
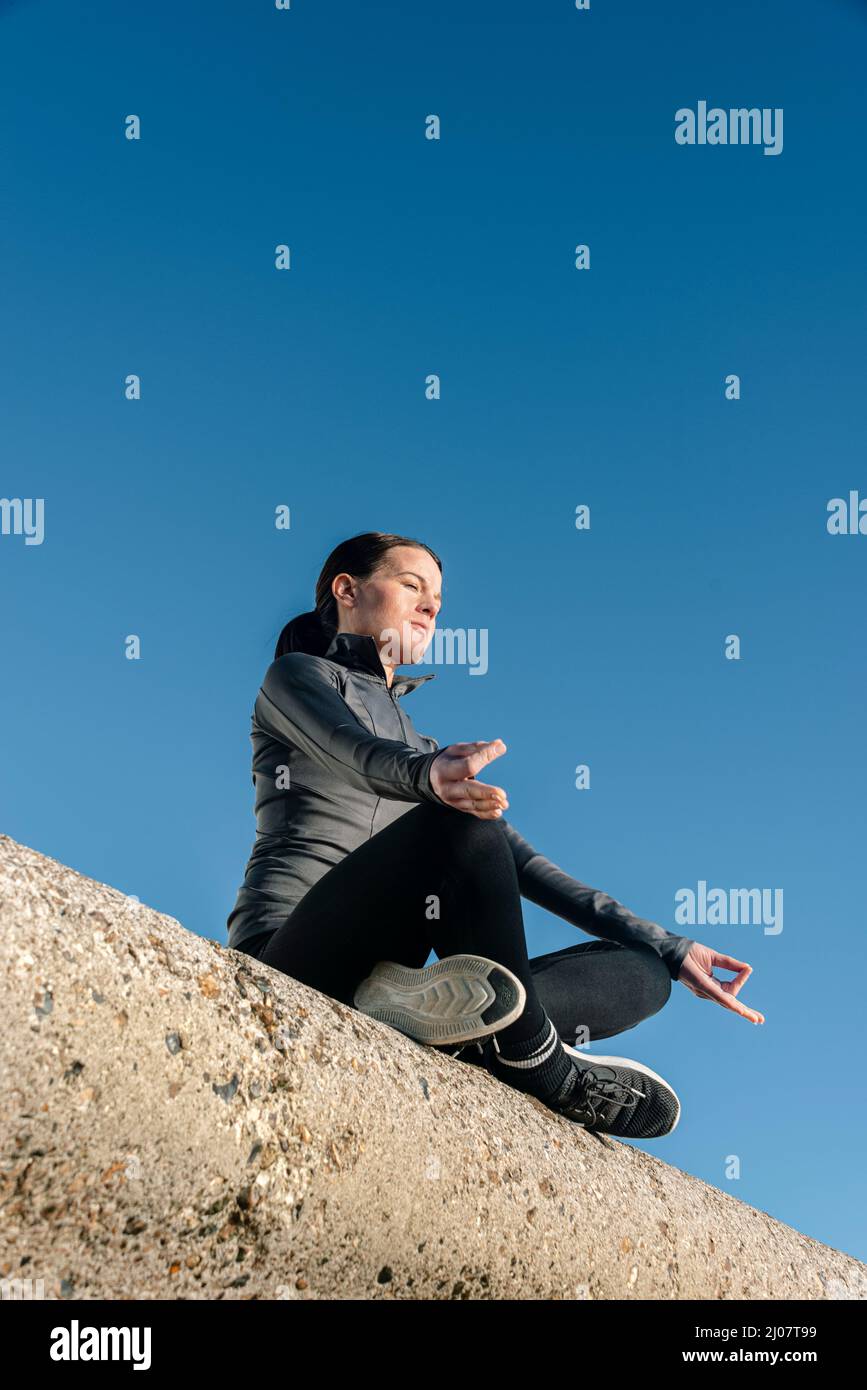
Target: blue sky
[{"x": 559, "y": 387}]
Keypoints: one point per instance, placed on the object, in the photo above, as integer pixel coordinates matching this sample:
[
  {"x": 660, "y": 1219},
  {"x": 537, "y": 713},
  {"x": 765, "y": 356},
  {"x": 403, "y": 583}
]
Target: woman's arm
[
  {"x": 299, "y": 704},
  {"x": 543, "y": 883}
]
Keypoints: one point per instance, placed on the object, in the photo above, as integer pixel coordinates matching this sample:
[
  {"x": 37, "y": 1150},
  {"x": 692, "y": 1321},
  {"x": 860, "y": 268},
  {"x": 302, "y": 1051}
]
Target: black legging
[{"x": 375, "y": 905}]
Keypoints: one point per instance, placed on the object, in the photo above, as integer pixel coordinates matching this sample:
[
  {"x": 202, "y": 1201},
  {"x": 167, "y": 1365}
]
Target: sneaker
[
  {"x": 458, "y": 999},
  {"x": 617, "y": 1095}
]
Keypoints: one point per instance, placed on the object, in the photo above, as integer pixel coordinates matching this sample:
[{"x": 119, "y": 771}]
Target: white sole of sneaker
[
  {"x": 442, "y": 1002},
  {"x": 591, "y": 1057}
]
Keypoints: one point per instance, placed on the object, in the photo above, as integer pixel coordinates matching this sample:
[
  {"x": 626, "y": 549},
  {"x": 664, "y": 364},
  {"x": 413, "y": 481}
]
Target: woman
[{"x": 374, "y": 847}]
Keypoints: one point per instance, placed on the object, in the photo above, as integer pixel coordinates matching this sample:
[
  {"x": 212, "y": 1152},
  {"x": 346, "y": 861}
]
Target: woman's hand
[
  {"x": 452, "y": 774},
  {"x": 696, "y": 973}
]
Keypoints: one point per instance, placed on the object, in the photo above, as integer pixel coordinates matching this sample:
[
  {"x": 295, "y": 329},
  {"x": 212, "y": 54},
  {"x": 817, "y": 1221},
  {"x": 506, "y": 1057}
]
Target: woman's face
[{"x": 397, "y": 605}]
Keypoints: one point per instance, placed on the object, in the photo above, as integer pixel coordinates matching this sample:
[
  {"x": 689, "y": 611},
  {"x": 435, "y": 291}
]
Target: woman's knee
[
  {"x": 652, "y": 979},
  {"x": 462, "y": 828}
]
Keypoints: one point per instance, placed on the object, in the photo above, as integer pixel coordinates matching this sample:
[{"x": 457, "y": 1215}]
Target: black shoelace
[{"x": 592, "y": 1089}]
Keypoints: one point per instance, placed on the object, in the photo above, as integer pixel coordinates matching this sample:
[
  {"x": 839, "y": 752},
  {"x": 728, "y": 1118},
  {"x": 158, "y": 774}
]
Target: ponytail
[{"x": 308, "y": 632}]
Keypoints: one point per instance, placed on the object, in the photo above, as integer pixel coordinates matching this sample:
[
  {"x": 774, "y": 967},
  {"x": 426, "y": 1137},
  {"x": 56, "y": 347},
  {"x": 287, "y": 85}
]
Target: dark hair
[{"x": 359, "y": 556}]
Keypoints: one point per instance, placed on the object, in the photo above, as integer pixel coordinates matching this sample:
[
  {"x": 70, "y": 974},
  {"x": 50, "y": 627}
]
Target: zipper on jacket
[{"x": 399, "y": 715}]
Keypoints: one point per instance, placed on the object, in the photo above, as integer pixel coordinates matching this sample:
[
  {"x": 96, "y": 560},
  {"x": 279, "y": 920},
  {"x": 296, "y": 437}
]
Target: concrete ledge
[{"x": 179, "y": 1121}]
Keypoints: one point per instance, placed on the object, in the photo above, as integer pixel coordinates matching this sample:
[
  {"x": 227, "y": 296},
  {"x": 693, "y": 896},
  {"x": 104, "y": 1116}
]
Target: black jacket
[{"x": 336, "y": 759}]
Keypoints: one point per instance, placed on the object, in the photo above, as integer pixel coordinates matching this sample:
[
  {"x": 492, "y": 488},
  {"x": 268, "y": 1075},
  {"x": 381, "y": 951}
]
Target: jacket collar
[{"x": 359, "y": 652}]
